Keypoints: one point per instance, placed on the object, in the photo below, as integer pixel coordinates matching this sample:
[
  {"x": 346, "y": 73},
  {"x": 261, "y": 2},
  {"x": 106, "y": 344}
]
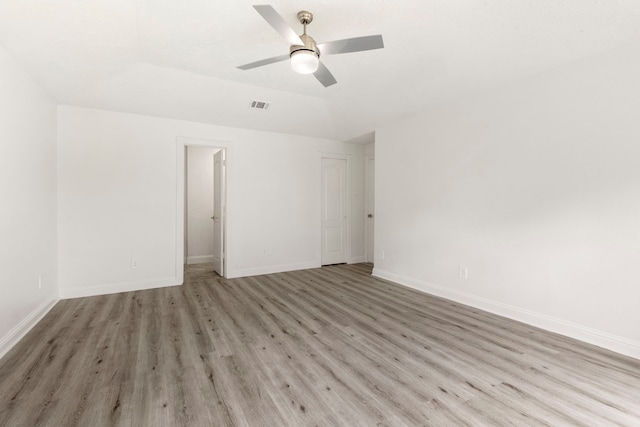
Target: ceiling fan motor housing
[{"x": 309, "y": 44}]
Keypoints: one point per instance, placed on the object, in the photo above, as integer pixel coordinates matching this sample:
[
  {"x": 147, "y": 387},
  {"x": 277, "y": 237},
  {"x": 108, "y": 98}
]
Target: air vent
[{"x": 259, "y": 105}]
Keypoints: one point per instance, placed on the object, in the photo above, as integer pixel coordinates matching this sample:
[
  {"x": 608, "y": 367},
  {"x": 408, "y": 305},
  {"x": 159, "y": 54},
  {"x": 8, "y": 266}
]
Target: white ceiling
[{"x": 178, "y": 59}]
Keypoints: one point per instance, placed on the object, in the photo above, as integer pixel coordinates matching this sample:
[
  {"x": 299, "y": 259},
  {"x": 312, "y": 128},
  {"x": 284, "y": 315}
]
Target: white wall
[
  {"x": 536, "y": 189},
  {"x": 118, "y": 189},
  {"x": 200, "y": 204},
  {"x": 28, "y": 195}
]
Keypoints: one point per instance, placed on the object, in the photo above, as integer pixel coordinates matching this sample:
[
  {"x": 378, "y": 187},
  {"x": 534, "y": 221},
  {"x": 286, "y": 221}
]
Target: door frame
[
  {"x": 181, "y": 143},
  {"x": 337, "y": 156}
]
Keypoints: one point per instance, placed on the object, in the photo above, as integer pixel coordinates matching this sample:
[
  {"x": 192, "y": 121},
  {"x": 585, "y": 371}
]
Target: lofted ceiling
[{"x": 178, "y": 59}]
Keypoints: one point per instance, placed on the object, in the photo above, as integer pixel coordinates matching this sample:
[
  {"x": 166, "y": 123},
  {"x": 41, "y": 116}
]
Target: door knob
[{"x": 370, "y": 216}]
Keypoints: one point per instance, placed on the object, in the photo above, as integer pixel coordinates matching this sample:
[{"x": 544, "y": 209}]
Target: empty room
[{"x": 416, "y": 213}]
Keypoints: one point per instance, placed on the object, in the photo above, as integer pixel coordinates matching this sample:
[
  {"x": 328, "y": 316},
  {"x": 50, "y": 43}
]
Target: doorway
[
  {"x": 199, "y": 203},
  {"x": 202, "y": 202}
]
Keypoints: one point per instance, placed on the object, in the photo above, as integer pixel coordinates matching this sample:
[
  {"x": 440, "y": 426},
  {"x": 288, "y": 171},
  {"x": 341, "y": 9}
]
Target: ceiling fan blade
[
  {"x": 264, "y": 62},
  {"x": 278, "y": 23},
  {"x": 324, "y": 76},
  {"x": 355, "y": 44}
]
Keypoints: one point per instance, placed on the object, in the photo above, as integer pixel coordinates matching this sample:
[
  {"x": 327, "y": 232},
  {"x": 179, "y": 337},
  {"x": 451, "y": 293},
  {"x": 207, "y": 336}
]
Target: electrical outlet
[
  {"x": 134, "y": 264},
  {"x": 462, "y": 272},
  {"x": 39, "y": 282},
  {"x": 381, "y": 254}
]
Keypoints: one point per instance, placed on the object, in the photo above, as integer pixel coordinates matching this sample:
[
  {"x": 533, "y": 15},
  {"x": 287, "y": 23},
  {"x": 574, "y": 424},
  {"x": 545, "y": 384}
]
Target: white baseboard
[
  {"x": 117, "y": 288},
  {"x": 20, "y": 330},
  {"x": 553, "y": 324},
  {"x": 199, "y": 259},
  {"x": 272, "y": 269},
  {"x": 357, "y": 260}
]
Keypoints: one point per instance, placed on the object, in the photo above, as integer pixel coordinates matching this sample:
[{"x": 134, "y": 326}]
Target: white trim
[
  {"x": 560, "y": 326},
  {"x": 118, "y": 288},
  {"x": 347, "y": 158},
  {"x": 201, "y": 259},
  {"x": 357, "y": 259},
  {"x": 271, "y": 269},
  {"x": 181, "y": 143},
  {"x": 16, "y": 333}
]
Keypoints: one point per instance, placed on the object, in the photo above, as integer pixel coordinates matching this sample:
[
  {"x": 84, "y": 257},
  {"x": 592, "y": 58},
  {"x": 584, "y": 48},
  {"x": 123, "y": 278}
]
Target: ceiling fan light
[{"x": 304, "y": 61}]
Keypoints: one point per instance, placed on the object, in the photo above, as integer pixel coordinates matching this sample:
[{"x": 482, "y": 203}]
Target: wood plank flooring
[{"x": 328, "y": 347}]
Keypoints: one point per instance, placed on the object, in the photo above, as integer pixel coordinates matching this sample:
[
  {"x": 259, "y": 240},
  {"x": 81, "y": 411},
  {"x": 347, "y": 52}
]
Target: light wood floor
[{"x": 330, "y": 346}]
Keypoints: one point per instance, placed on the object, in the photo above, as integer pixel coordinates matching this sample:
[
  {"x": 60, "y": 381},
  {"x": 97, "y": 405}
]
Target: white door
[
  {"x": 218, "y": 211},
  {"x": 334, "y": 211},
  {"x": 370, "y": 205}
]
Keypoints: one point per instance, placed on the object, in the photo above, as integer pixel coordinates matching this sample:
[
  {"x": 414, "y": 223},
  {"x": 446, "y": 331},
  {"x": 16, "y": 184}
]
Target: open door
[{"x": 219, "y": 208}]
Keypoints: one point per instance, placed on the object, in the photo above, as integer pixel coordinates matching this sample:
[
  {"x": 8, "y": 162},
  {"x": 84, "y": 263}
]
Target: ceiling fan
[{"x": 304, "y": 52}]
